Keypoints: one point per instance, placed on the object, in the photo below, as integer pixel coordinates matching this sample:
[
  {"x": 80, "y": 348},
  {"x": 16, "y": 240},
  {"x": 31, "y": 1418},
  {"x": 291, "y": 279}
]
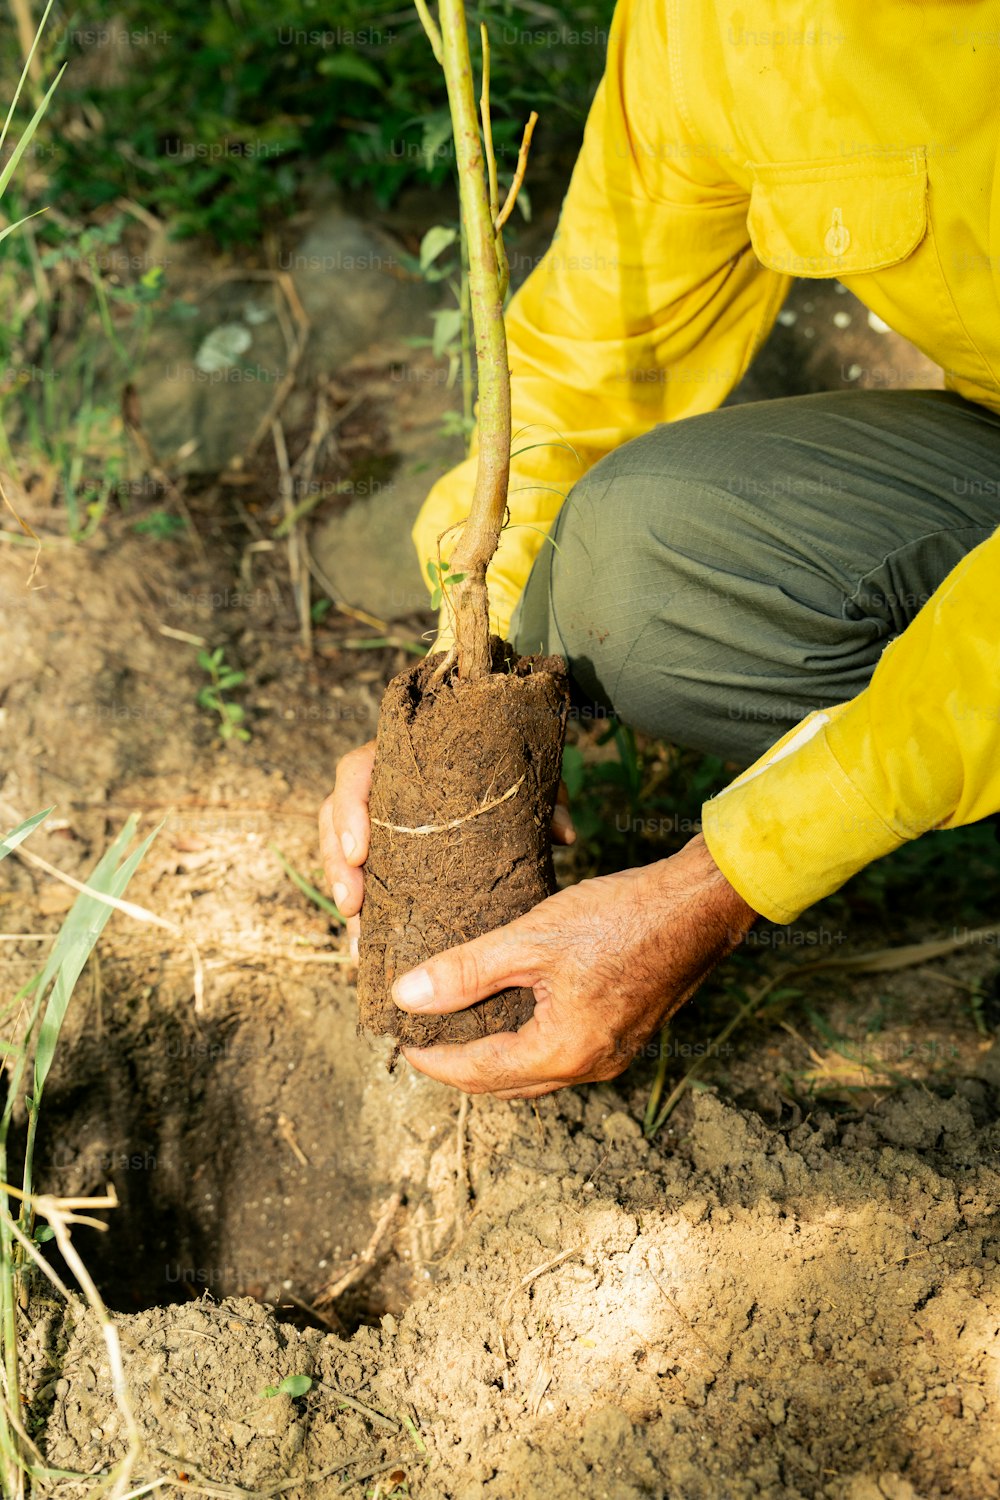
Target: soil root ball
[{"x": 465, "y": 781}]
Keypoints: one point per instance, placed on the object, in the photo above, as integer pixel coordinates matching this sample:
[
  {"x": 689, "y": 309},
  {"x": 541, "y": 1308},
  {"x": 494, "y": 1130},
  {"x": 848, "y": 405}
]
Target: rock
[
  {"x": 211, "y": 366},
  {"x": 356, "y": 291},
  {"x": 217, "y": 353},
  {"x": 366, "y": 550}
]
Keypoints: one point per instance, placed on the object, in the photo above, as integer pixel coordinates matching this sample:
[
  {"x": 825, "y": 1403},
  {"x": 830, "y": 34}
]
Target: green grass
[
  {"x": 216, "y": 117},
  {"x": 33, "y": 1020}
]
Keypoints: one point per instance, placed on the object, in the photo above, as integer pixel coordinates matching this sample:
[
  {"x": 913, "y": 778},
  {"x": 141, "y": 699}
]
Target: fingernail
[
  {"x": 340, "y": 892},
  {"x": 348, "y": 843},
  {"x": 415, "y": 988}
]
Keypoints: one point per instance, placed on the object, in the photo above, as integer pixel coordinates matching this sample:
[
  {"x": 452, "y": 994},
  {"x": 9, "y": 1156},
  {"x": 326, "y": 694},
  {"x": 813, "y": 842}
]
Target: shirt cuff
[{"x": 795, "y": 827}]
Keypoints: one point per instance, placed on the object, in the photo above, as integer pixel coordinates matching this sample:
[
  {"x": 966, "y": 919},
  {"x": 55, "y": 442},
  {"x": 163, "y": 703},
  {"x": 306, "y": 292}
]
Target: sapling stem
[{"x": 481, "y": 532}]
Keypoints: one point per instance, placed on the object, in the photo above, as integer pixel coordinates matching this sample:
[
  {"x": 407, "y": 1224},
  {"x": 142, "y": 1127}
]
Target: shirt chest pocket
[{"x": 843, "y": 216}]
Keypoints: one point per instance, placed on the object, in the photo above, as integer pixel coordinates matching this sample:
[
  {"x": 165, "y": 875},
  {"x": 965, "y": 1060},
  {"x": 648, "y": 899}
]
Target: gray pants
[{"x": 719, "y": 578}]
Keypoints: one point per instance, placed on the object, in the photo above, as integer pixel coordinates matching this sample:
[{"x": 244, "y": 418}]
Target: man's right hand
[{"x": 344, "y": 831}]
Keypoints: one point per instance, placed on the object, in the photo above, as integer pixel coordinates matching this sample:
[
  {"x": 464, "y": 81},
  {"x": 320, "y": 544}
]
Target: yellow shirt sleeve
[
  {"x": 918, "y": 749},
  {"x": 648, "y": 306}
]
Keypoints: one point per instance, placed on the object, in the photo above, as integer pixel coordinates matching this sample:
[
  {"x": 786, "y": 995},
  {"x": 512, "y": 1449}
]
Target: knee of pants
[
  {"x": 573, "y": 604},
  {"x": 674, "y": 644}
]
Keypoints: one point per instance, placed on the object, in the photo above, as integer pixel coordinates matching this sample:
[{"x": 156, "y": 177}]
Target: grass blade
[
  {"x": 29, "y": 131},
  {"x": 78, "y": 936},
  {"x": 307, "y": 889},
  {"x": 18, "y": 835},
  {"x": 24, "y": 74}
]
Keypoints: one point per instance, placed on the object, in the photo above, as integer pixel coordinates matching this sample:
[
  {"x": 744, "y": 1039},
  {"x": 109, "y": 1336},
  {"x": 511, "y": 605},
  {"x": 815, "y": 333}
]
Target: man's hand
[
  {"x": 344, "y": 831},
  {"x": 609, "y": 961}
]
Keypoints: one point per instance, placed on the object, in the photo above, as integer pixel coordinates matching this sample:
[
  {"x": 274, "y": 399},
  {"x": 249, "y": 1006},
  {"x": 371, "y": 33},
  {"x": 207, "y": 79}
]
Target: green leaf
[
  {"x": 437, "y": 133},
  {"x": 447, "y": 326},
  {"x": 159, "y": 524},
  {"x": 296, "y": 1385},
  {"x": 352, "y": 67},
  {"x": 434, "y": 241},
  {"x": 77, "y": 939},
  {"x": 18, "y": 835},
  {"x": 11, "y": 227},
  {"x": 29, "y": 131},
  {"x": 572, "y": 770},
  {"x": 323, "y": 902},
  {"x": 436, "y": 599}
]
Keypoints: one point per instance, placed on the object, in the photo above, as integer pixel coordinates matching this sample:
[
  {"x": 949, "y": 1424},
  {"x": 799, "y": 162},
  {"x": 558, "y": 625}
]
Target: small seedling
[
  {"x": 212, "y": 696},
  {"x": 411, "y": 1428},
  {"x": 442, "y": 578},
  {"x": 292, "y": 1385},
  {"x": 160, "y": 525},
  {"x": 307, "y": 888}
]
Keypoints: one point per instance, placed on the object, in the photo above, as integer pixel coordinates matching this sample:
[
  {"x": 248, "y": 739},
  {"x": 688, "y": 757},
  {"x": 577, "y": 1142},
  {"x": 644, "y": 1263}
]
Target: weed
[
  {"x": 35, "y": 1019},
  {"x": 248, "y": 102},
  {"x": 212, "y": 697},
  {"x": 160, "y": 525},
  {"x": 64, "y": 408},
  {"x": 292, "y": 1385},
  {"x": 307, "y": 888},
  {"x": 442, "y": 579}
]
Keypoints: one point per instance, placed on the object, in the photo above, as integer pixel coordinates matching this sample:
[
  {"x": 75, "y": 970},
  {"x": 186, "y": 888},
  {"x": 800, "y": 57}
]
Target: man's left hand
[{"x": 609, "y": 960}]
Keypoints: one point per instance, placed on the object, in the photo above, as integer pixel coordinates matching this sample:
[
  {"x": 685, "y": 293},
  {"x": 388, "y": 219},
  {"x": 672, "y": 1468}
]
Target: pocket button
[{"x": 838, "y": 236}]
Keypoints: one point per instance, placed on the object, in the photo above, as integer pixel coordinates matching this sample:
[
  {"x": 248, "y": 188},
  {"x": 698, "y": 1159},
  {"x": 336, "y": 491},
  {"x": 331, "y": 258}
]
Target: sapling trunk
[
  {"x": 469, "y": 746},
  {"x": 481, "y": 533}
]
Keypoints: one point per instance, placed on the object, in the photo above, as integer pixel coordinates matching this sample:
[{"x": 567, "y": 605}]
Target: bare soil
[{"x": 794, "y": 1291}]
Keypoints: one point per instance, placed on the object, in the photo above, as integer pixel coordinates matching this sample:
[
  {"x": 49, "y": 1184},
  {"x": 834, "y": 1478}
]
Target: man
[{"x": 824, "y": 568}]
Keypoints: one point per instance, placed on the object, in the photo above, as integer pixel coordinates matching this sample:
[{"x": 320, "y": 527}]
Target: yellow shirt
[{"x": 729, "y": 148}]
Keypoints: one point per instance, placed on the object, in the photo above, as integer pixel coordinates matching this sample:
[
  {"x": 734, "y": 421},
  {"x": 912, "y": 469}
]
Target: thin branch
[
  {"x": 431, "y": 27},
  {"x": 519, "y": 171},
  {"x": 503, "y": 269},
  {"x": 484, "y": 114}
]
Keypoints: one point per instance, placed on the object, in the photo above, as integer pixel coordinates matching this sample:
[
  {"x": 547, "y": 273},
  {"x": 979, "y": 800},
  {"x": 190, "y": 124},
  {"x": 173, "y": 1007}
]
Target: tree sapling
[{"x": 469, "y": 741}]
